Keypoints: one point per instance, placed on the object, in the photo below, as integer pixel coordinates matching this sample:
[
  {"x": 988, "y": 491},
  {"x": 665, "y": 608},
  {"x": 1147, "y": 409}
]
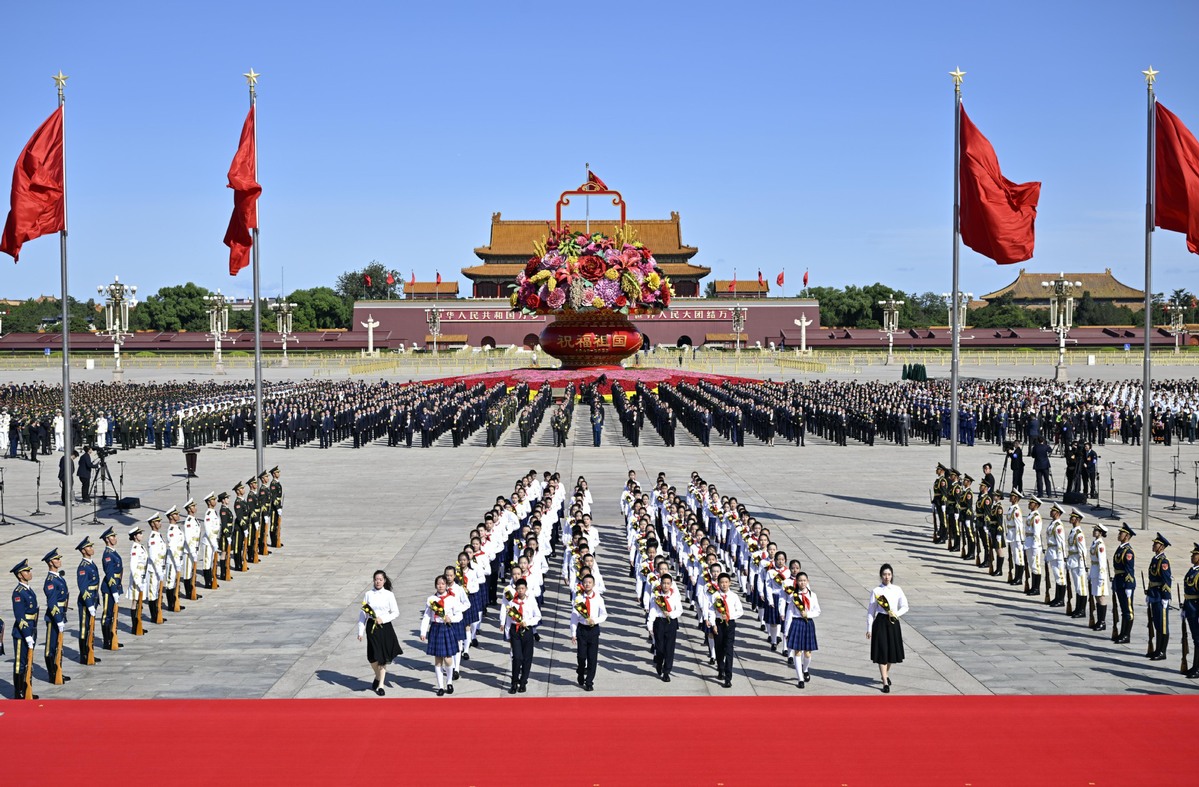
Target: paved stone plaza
[{"x": 287, "y": 627}]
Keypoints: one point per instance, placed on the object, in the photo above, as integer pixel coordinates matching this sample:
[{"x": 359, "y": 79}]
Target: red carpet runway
[{"x": 692, "y": 741}]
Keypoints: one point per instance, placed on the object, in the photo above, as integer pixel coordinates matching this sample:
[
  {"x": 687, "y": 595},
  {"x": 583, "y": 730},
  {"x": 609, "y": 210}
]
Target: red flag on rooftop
[
  {"x": 243, "y": 179},
  {"x": 733, "y": 283},
  {"x": 593, "y": 178},
  {"x": 1176, "y": 179},
  {"x": 996, "y": 217},
  {"x": 38, "y": 205},
  {"x": 438, "y": 278},
  {"x": 761, "y": 281}
]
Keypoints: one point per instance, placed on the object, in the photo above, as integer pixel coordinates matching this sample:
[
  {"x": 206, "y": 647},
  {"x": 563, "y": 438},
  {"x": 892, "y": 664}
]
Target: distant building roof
[
  {"x": 1102, "y": 286},
  {"x": 516, "y": 238},
  {"x": 748, "y": 286},
  {"x": 508, "y": 270},
  {"x": 446, "y": 288}
]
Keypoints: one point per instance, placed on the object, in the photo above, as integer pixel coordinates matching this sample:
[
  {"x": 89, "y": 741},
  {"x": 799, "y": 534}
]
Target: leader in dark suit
[{"x": 1040, "y": 465}]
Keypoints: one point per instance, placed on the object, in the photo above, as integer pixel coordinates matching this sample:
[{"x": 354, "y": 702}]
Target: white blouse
[
  {"x": 383, "y": 602},
  {"x": 895, "y": 599}
]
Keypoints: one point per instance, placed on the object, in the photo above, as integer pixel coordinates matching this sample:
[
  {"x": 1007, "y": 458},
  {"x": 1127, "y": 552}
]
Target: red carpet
[{"x": 692, "y": 741}]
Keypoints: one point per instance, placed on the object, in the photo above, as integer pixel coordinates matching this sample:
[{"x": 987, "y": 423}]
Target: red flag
[
  {"x": 38, "y": 206},
  {"x": 1176, "y": 178},
  {"x": 413, "y": 282},
  {"x": 367, "y": 278},
  {"x": 733, "y": 283},
  {"x": 805, "y": 278},
  {"x": 593, "y": 178},
  {"x": 996, "y": 216},
  {"x": 761, "y": 281},
  {"x": 439, "y": 278},
  {"x": 243, "y": 179},
  {"x": 391, "y": 279},
  {"x": 779, "y": 278}
]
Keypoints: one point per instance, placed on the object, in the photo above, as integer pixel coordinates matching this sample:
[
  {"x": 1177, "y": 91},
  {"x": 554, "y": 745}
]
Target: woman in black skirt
[
  {"x": 887, "y": 605},
  {"x": 379, "y": 608}
]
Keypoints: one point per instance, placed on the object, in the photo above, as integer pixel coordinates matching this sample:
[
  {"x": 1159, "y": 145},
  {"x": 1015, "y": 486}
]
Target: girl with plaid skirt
[{"x": 442, "y": 610}]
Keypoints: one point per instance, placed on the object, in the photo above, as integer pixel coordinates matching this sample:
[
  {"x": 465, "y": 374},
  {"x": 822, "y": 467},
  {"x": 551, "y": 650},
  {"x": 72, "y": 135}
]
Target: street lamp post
[
  {"x": 433, "y": 318},
  {"x": 890, "y": 324},
  {"x": 218, "y": 325},
  {"x": 1061, "y": 316},
  {"x": 2, "y": 315},
  {"x": 283, "y": 313},
  {"x": 1177, "y": 330},
  {"x": 964, "y": 299},
  {"x": 118, "y": 300},
  {"x": 738, "y": 326}
]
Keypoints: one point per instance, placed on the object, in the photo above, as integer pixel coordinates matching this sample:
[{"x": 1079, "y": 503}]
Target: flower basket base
[{"x": 591, "y": 339}]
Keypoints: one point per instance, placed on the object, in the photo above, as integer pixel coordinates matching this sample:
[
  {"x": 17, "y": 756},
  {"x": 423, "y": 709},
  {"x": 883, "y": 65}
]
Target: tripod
[
  {"x": 1175, "y": 472},
  {"x": 1111, "y": 481},
  {"x": 38, "y": 511},
  {"x": 3, "y": 520},
  {"x": 103, "y": 478}
]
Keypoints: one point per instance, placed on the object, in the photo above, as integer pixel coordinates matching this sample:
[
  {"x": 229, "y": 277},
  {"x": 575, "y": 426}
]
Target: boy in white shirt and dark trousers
[
  {"x": 588, "y": 614},
  {"x": 722, "y": 620},
  {"x": 520, "y": 615}
]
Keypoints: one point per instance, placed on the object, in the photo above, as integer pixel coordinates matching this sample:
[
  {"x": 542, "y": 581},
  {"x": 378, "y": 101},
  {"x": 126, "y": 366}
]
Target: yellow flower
[
  {"x": 654, "y": 280},
  {"x": 551, "y": 283},
  {"x": 513, "y": 299},
  {"x": 612, "y": 274},
  {"x": 572, "y": 260},
  {"x": 597, "y": 302},
  {"x": 541, "y": 276}
]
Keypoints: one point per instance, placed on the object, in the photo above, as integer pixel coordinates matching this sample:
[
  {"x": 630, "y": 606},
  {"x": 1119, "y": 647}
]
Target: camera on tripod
[{"x": 104, "y": 453}]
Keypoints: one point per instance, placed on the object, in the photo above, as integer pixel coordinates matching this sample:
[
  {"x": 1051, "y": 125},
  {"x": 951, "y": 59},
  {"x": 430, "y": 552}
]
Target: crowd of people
[{"x": 160, "y": 573}]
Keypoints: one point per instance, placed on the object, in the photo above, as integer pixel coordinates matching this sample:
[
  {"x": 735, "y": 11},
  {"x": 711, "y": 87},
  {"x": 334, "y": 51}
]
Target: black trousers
[
  {"x": 587, "y": 652},
  {"x": 726, "y": 637},
  {"x": 666, "y": 631},
  {"x": 522, "y": 643}
]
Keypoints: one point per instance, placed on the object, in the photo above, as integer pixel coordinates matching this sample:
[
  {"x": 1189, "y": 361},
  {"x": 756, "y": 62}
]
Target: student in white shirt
[
  {"x": 379, "y": 608},
  {"x": 520, "y": 615},
  {"x": 664, "y": 615},
  {"x": 442, "y": 610},
  {"x": 887, "y": 605},
  {"x": 802, "y": 611},
  {"x": 722, "y": 622},
  {"x": 586, "y": 616}
]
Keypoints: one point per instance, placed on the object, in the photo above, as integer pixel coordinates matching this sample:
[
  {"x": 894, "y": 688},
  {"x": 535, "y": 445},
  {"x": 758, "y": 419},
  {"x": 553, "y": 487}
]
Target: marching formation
[
  {"x": 1076, "y": 572},
  {"x": 160, "y": 573}
]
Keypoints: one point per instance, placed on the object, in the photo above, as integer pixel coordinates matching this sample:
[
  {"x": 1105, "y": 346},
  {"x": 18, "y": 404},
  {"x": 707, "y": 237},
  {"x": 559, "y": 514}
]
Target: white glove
[
  {"x": 29, "y": 642},
  {"x": 116, "y": 598},
  {"x": 92, "y": 610}
]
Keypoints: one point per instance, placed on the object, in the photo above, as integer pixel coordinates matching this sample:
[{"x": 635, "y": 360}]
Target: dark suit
[{"x": 1040, "y": 465}]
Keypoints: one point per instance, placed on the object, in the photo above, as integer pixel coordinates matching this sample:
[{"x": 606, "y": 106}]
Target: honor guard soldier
[
  {"x": 87, "y": 577},
  {"x": 951, "y": 510},
  {"x": 253, "y": 522},
  {"x": 160, "y": 558},
  {"x": 193, "y": 533},
  {"x": 1157, "y": 597},
  {"x": 1190, "y": 609},
  {"x": 940, "y": 490},
  {"x": 241, "y": 525},
  {"x": 966, "y": 518},
  {"x": 174, "y": 564},
  {"x": 228, "y": 536},
  {"x": 276, "y": 488},
  {"x": 210, "y": 539},
  {"x": 1032, "y": 546},
  {"x": 1099, "y": 577},
  {"x": 1013, "y": 532},
  {"x": 1124, "y": 582},
  {"x": 1055, "y": 555},
  {"x": 140, "y": 575},
  {"x": 996, "y": 533},
  {"x": 265, "y": 511},
  {"x": 57, "y": 596},
  {"x": 111, "y": 589},
  {"x": 982, "y": 519},
  {"x": 1077, "y": 565},
  {"x": 24, "y": 632}
]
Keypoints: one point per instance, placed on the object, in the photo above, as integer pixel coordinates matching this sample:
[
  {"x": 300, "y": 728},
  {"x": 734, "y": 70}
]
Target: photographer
[{"x": 86, "y": 466}]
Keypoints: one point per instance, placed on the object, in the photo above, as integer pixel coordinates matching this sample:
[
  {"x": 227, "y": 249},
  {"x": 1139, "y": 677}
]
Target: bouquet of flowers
[
  {"x": 577, "y": 271},
  {"x": 885, "y": 606},
  {"x": 370, "y": 614},
  {"x": 581, "y": 605},
  {"x": 509, "y": 594},
  {"x": 460, "y": 576},
  {"x": 662, "y": 602},
  {"x": 721, "y": 609},
  {"x": 801, "y": 602},
  {"x": 514, "y": 613},
  {"x": 438, "y": 608}
]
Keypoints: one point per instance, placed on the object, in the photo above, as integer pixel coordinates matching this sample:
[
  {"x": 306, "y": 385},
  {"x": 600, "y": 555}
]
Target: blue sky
[{"x": 787, "y": 135}]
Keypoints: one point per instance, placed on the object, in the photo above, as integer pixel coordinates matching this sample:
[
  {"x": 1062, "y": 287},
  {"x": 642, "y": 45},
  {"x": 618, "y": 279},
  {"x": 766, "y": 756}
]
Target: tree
[
  {"x": 33, "y": 316},
  {"x": 176, "y": 308},
  {"x": 352, "y": 285},
  {"x": 319, "y": 308},
  {"x": 1003, "y": 312},
  {"x": 710, "y": 290}
]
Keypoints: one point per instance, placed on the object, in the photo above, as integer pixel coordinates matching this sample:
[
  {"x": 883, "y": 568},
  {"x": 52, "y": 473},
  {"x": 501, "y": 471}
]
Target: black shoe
[
  {"x": 457, "y": 674},
  {"x": 1158, "y": 657},
  {"x": 790, "y": 661},
  {"x": 1101, "y": 627},
  {"x": 198, "y": 597},
  {"x": 536, "y": 637},
  {"x": 96, "y": 660},
  {"x": 580, "y": 680},
  {"x": 512, "y": 690},
  {"x": 774, "y": 647},
  {"x": 589, "y": 687},
  {"x": 375, "y": 685},
  {"x": 449, "y": 689},
  {"x": 799, "y": 684},
  {"x": 523, "y": 689},
  {"x": 441, "y": 692},
  {"x": 1121, "y": 641},
  {"x": 887, "y": 689},
  {"x": 711, "y": 662},
  {"x": 888, "y": 681},
  {"x": 380, "y": 691},
  {"x": 466, "y": 657},
  {"x": 65, "y": 679},
  {"x": 666, "y": 679},
  {"x": 807, "y": 676},
  {"x": 728, "y": 684}
]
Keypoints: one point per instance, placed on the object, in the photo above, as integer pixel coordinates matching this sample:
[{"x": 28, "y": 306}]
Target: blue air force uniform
[
  {"x": 57, "y": 595},
  {"x": 111, "y": 590},
  {"x": 87, "y": 577},
  {"x": 1124, "y": 582},
  {"x": 1157, "y": 597},
  {"x": 24, "y": 633},
  {"x": 1190, "y": 609}
]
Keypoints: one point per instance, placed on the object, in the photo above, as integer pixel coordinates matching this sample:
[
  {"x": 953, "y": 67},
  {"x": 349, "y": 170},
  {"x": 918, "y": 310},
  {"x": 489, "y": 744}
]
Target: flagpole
[
  {"x": 1147, "y": 379},
  {"x": 68, "y": 475},
  {"x": 587, "y": 197},
  {"x": 259, "y": 449},
  {"x": 954, "y": 328}
]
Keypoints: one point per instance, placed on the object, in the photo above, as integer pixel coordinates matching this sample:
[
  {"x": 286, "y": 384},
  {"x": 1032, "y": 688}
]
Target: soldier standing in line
[
  {"x": 1099, "y": 577},
  {"x": 1190, "y": 608},
  {"x": 87, "y": 577},
  {"x": 111, "y": 589},
  {"x": 24, "y": 632},
  {"x": 1157, "y": 597},
  {"x": 57, "y": 596},
  {"x": 1124, "y": 582}
]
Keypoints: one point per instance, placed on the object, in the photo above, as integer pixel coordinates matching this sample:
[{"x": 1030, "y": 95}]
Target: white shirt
[
  {"x": 530, "y": 613},
  {"x": 673, "y": 600},
  {"x": 383, "y": 602},
  {"x": 599, "y": 612},
  {"x": 793, "y": 610},
  {"x": 895, "y": 599},
  {"x": 733, "y": 604}
]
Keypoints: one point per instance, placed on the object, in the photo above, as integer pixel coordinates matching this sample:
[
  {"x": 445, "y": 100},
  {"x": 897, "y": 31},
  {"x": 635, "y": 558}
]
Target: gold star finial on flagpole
[
  {"x": 957, "y": 74},
  {"x": 1150, "y": 76},
  {"x": 251, "y": 78},
  {"x": 60, "y": 79}
]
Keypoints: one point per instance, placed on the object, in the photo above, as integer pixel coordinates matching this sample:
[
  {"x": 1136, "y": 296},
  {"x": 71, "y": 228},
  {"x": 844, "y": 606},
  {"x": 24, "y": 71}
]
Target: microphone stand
[
  {"x": 1111, "y": 480},
  {"x": 1175, "y": 472},
  {"x": 3, "y": 520},
  {"x": 121, "y": 488},
  {"x": 39, "y": 511},
  {"x": 1196, "y": 515}
]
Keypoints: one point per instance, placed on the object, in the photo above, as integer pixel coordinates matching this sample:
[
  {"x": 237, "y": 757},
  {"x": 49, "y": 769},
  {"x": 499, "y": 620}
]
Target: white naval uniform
[
  {"x": 157, "y": 550},
  {"x": 211, "y": 535},
  {"x": 1099, "y": 574},
  {"x": 1013, "y": 532},
  {"x": 1032, "y": 542},
  {"x": 174, "y": 562},
  {"x": 1055, "y": 549},
  {"x": 143, "y": 574},
  {"x": 1076, "y": 560},
  {"x": 192, "y": 535}
]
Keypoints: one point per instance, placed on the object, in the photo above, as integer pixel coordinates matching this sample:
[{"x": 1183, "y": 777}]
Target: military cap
[
  {"x": 1124, "y": 528},
  {"x": 1056, "y": 507},
  {"x": 1074, "y": 512},
  {"x": 191, "y": 501},
  {"x": 84, "y": 544},
  {"x": 53, "y": 554},
  {"x": 210, "y": 496},
  {"x": 969, "y": 479},
  {"x": 1098, "y": 526},
  {"x": 1016, "y": 494},
  {"x": 133, "y": 531},
  {"x": 172, "y": 510},
  {"x": 954, "y": 471},
  {"x": 941, "y": 466},
  {"x": 252, "y": 479},
  {"x": 222, "y": 496},
  {"x": 265, "y": 474},
  {"x": 1160, "y": 539},
  {"x": 1195, "y": 548},
  {"x": 1035, "y": 499},
  {"x": 238, "y": 485},
  {"x": 112, "y": 531},
  {"x": 275, "y": 469},
  {"x": 155, "y": 518},
  {"x": 22, "y": 566}
]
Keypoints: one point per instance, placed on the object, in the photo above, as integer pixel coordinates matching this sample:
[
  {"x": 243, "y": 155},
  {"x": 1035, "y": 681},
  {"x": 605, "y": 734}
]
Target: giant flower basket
[{"x": 591, "y": 283}]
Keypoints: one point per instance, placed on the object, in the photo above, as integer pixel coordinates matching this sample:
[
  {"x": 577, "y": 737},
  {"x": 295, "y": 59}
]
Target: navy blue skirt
[
  {"x": 442, "y": 641},
  {"x": 478, "y": 600},
  {"x": 459, "y": 629},
  {"x": 802, "y": 634},
  {"x": 470, "y": 615},
  {"x": 770, "y": 613}
]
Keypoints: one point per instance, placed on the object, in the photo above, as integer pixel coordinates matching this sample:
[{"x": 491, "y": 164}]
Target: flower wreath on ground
[{"x": 582, "y": 272}]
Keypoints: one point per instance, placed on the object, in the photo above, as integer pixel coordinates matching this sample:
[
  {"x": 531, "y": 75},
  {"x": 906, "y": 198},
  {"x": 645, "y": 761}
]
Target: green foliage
[
  {"x": 1004, "y": 313},
  {"x": 1088, "y": 312},
  {"x": 32, "y": 316},
  {"x": 320, "y": 308},
  {"x": 352, "y": 286},
  {"x": 175, "y": 308}
]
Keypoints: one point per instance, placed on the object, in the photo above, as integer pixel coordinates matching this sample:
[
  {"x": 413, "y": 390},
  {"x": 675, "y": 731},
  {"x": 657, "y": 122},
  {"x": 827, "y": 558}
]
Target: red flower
[
  {"x": 531, "y": 266},
  {"x": 621, "y": 301},
  {"x": 591, "y": 267},
  {"x": 533, "y": 301},
  {"x": 664, "y": 294}
]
